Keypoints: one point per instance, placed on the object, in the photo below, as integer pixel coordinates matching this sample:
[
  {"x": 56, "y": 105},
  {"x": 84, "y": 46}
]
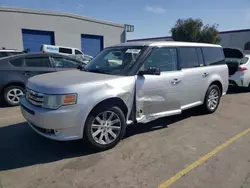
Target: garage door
[
  {"x": 91, "y": 44},
  {"x": 33, "y": 39}
]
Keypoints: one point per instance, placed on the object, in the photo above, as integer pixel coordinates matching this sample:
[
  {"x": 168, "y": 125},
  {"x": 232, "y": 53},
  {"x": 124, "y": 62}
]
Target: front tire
[
  {"x": 105, "y": 127},
  {"x": 212, "y": 99},
  {"x": 12, "y": 95}
]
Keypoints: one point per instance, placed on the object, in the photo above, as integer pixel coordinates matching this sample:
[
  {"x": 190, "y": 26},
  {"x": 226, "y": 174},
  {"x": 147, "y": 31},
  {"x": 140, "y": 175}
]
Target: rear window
[
  {"x": 213, "y": 55},
  {"x": 244, "y": 60},
  {"x": 188, "y": 57},
  {"x": 65, "y": 50},
  {"x": 17, "y": 62},
  {"x": 37, "y": 62}
]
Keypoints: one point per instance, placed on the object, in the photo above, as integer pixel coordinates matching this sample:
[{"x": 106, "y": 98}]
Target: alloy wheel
[
  {"x": 14, "y": 95},
  {"x": 106, "y": 127},
  {"x": 213, "y": 99}
]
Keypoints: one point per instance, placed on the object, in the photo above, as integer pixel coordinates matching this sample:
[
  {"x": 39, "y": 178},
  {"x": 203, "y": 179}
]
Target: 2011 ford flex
[{"x": 124, "y": 84}]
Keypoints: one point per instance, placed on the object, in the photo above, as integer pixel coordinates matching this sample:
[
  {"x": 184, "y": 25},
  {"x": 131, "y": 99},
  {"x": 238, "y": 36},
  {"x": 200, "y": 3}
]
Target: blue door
[
  {"x": 91, "y": 44},
  {"x": 33, "y": 39}
]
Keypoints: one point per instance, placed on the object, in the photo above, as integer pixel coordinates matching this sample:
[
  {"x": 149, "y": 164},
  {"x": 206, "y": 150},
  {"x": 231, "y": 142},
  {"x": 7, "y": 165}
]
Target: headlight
[{"x": 55, "y": 101}]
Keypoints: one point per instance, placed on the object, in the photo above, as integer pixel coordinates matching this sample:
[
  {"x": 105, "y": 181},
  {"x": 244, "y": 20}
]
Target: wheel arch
[
  {"x": 219, "y": 84},
  {"x": 12, "y": 84},
  {"x": 116, "y": 101}
]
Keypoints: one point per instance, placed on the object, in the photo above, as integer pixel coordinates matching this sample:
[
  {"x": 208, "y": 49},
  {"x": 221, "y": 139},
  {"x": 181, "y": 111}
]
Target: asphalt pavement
[{"x": 189, "y": 150}]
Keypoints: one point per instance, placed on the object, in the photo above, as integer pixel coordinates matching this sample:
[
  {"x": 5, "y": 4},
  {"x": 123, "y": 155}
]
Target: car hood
[{"x": 66, "y": 81}]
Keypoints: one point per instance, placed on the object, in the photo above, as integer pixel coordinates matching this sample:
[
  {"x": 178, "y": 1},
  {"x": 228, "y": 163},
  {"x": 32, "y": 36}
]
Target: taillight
[{"x": 242, "y": 68}]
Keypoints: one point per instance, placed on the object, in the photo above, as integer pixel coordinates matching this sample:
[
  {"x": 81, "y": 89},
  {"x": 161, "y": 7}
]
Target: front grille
[{"x": 34, "y": 97}]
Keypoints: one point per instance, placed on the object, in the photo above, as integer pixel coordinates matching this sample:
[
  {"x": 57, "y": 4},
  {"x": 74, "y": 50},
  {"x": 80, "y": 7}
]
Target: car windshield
[{"x": 115, "y": 60}]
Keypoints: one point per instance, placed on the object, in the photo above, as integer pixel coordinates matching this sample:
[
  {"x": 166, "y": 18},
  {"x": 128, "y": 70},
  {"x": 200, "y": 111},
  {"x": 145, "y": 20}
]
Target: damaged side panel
[
  {"x": 158, "y": 96},
  {"x": 122, "y": 88}
]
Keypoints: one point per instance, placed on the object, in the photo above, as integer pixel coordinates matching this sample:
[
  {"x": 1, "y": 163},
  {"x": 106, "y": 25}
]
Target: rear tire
[
  {"x": 105, "y": 127},
  {"x": 212, "y": 99},
  {"x": 12, "y": 95}
]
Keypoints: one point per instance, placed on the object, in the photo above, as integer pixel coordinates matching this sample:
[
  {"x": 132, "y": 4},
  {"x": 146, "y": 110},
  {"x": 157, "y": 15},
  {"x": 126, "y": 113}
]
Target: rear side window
[
  {"x": 17, "y": 62},
  {"x": 37, "y": 62},
  {"x": 213, "y": 55},
  {"x": 78, "y": 52},
  {"x": 60, "y": 62},
  {"x": 65, "y": 50},
  {"x": 188, "y": 58}
]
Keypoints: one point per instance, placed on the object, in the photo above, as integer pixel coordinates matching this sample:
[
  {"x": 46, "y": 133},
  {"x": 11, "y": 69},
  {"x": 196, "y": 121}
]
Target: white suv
[{"x": 124, "y": 84}]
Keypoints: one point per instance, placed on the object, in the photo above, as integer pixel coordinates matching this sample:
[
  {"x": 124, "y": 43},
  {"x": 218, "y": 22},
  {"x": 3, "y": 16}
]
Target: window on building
[
  {"x": 17, "y": 62},
  {"x": 65, "y": 50},
  {"x": 212, "y": 55},
  {"x": 37, "y": 62},
  {"x": 247, "y": 46},
  {"x": 188, "y": 58},
  {"x": 163, "y": 58}
]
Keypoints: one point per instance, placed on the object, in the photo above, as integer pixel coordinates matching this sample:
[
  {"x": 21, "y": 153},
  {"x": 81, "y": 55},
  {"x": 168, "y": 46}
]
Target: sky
[{"x": 151, "y": 18}]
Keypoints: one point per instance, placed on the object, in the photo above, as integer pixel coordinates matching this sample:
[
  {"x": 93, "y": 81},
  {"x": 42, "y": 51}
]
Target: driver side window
[{"x": 163, "y": 58}]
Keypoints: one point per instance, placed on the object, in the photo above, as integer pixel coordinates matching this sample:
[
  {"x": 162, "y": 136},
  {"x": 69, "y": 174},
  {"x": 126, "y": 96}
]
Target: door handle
[
  {"x": 205, "y": 75},
  {"x": 27, "y": 73},
  {"x": 175, "y": 81}
]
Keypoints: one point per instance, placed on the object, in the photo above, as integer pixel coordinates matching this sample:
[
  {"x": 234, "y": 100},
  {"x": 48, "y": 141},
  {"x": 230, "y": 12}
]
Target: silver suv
[{"x": 124, "y": 84}]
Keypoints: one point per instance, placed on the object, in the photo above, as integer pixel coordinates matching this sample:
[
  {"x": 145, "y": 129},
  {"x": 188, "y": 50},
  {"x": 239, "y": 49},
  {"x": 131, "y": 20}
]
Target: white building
[{"x": 29, "y": 29}]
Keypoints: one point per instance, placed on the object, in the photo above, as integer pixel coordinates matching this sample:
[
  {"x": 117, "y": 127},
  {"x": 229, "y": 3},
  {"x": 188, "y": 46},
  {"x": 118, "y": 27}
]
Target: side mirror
[{"x": 151, "y": 71}]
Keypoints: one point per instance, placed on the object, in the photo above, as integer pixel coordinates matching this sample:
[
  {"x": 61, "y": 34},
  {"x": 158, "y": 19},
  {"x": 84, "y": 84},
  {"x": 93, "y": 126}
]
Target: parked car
[
  {"x": 45, "y": 48},
  {"x": 16, "y": 70},
  {"x": 239, "y": 67},
  {"x": 9, "y": 52},
  {"x": 154, "y": 80},
  {"x": 84, "y": 58}
]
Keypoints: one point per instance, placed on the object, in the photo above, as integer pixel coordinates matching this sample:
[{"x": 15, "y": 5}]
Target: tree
[{"x": 193, "y": 30}]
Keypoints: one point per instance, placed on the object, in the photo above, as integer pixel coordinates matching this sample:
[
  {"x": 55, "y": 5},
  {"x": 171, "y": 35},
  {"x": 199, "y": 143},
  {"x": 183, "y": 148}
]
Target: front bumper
[{"x": 61, "y": 124}]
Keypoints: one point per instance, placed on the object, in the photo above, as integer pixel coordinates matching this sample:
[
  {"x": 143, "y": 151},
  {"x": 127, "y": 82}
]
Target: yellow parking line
[{"x": 202, "y": 160}]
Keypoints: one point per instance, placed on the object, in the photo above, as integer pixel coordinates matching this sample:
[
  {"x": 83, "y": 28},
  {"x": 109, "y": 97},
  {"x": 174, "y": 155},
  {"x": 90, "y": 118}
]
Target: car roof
[
  {"x": 166, "y": 43},
  {"x": 34, "y": 55}
]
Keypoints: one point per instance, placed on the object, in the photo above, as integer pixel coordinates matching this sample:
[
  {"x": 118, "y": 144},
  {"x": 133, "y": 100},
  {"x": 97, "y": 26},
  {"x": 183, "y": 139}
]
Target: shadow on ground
[{"x": 21, "y": 147}]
